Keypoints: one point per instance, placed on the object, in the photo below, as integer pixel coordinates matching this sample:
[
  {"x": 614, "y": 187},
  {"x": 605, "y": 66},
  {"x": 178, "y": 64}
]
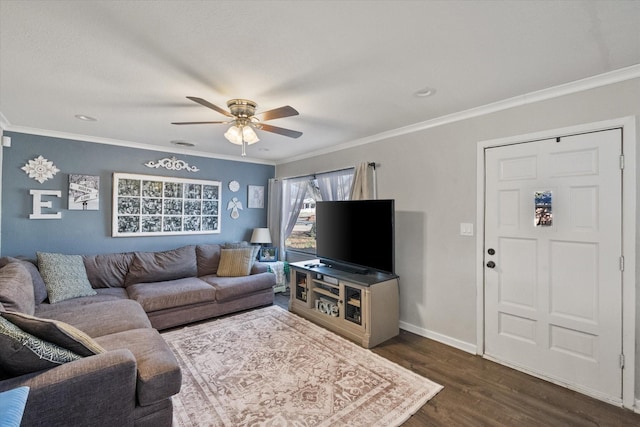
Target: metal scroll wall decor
[{"x": 172, "y": 164}]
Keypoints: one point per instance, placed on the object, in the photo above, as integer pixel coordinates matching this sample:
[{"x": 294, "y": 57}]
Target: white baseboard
[
  {"x": 636, "y": 406},
  {"x": 444, "y": 339}
]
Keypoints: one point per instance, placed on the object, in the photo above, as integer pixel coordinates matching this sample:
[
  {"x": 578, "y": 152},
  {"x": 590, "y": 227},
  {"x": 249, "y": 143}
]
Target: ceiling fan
[{"x": 243, "y": 118}]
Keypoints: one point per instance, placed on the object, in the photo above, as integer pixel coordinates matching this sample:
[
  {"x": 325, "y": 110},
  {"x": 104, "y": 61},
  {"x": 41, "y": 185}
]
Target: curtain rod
[{"x": 370, "y": 164}]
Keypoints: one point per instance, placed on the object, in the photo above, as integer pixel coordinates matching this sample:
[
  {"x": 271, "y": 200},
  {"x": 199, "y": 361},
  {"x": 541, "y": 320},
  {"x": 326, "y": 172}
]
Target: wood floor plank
[{"x": 479, "y": 392}]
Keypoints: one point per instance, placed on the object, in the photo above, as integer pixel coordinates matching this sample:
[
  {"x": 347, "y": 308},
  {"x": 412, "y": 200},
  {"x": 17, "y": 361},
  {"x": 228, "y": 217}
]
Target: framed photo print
[
  {"x": 268, "y": 254},
  {"x": 84, "y": 192},
  {"x": 147, "y": 205},
  {"x": 255, "y": 197}
]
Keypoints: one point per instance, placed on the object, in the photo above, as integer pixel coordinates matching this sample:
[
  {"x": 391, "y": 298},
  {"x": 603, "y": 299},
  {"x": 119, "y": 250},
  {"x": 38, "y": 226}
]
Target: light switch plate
[{"x": 466, "y": 229}]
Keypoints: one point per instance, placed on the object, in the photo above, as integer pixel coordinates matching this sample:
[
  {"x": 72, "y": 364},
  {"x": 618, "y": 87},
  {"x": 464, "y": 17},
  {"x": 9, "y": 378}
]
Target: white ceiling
[{"x": 350, "y": 68}]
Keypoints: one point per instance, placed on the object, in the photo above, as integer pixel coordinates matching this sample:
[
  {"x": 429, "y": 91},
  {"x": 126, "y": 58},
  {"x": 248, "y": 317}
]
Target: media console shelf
[{"x": 360, "y": 307}]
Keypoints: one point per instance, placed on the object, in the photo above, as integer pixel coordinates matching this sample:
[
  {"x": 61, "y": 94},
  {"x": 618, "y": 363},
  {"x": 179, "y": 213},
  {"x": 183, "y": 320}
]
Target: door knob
[{"x": 491, "y": 264}]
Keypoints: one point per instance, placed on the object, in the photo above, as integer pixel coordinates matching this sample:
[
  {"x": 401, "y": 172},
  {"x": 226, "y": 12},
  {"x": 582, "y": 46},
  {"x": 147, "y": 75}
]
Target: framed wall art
[
  {"x": 255, "y": 197},
  {"x": 148, "y": 205},
  {"x": 84, "y": 192},
  {"x": 268, "y": 254}
]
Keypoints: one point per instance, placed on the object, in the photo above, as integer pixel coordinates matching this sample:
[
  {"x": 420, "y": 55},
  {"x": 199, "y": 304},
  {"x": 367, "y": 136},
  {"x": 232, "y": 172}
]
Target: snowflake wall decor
[{"x": 40, "y": 169}]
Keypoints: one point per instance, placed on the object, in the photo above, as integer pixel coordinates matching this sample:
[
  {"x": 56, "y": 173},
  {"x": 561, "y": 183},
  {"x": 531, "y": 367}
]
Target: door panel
[{"x": 553, "y": 299}]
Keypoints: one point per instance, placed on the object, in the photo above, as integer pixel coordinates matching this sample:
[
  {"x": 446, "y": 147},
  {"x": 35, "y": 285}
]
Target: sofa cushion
[
  {"x": 56, "y": 332},
  {"x": 229, "y": 288},
  {"x": 159, "y": 266},
  {"x": 16, "y": 288},
  {"x": 208, "y": 258},
  {"x": 22, "y": 353},
  {"x": 236, "y": 262},
  {"x": 171, "y": 293},
  {"x": 99, "y": 318},
  {"x": 39, "y": 288},
  {"x": 107, "y": 270},
  {"x": 159, "y": 375},
  {"x": 102, "y": 295},
  {"x": 64, "y": 276}
]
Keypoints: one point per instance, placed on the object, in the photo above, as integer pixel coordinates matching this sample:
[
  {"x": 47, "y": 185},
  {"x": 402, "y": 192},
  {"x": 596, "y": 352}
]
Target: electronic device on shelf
[{"x": 356, "y": 235}]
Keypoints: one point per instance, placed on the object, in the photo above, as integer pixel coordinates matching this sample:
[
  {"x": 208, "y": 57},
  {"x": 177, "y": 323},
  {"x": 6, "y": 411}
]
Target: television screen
[{"x": 359, "y": 232}]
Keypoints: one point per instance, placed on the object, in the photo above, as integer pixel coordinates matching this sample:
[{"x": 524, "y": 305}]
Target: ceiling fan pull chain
[{"x": 244, "y": 148}]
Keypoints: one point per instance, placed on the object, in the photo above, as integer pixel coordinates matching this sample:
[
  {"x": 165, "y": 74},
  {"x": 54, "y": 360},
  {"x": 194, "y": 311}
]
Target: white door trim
[{"x": 628, "y": 125}]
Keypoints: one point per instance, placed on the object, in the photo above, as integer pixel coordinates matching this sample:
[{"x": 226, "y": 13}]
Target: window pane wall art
[{"x": 148, "y": 205}]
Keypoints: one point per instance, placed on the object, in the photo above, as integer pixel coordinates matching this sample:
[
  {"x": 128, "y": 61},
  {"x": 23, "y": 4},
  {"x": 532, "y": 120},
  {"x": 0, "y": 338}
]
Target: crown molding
[
  {"x": 128, "y": 144},
  {"x": 4, "y": 123},
  {"x": 600, "y": 80}
]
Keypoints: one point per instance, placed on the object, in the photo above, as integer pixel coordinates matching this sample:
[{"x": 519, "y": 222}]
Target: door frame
[{"x": 628, "y": 126}]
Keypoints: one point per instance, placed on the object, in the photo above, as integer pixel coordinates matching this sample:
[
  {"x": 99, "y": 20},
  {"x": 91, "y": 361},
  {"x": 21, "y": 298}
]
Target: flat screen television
[{"x": 356, "y": 233}]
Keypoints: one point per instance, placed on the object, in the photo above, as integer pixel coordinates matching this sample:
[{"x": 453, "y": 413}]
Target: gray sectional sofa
[{"x": 131, "y": 379}]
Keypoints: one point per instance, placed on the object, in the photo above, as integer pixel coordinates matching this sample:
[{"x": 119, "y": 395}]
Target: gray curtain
[
  {"x": 293, "y": 192},
  {"x": 335, "y": 185},
  {"x": 274, "y": 214},
  {"x": 362, "y": 186}
]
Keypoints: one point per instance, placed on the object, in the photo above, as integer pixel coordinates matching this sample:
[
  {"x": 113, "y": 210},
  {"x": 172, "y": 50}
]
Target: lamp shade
[{"x": 261, "y": 235}]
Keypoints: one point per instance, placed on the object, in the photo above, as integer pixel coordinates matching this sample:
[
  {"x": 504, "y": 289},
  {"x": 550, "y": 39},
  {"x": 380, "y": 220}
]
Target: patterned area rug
[{"x": 269, "y": 367}]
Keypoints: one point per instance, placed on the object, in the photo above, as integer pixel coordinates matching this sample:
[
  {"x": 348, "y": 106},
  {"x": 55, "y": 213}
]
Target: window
[
  {"x": 326, "y": 186},
  {"x": 303, "y": 235}
]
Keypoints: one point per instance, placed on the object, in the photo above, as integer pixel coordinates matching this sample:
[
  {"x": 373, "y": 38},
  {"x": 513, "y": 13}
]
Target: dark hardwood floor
[{"x": 478, "y": 392}]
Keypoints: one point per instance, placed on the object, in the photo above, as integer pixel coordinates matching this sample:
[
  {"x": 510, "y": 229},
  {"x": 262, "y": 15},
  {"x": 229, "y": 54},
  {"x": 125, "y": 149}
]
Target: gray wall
[
  {"x": 432, "y": 176},
  {"x": 89, "y": 232}
]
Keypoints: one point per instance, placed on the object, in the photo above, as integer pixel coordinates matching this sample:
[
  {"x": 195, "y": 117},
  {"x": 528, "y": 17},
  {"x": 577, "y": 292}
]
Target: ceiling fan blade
[
  {"x": 194, "y": 123},
  {"x": 277, "y": 113},
  {"x": 282, "y": 131},
  {"x": 209, "y": 105}
]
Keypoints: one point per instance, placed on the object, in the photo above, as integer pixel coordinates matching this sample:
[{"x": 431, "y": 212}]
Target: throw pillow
[
  {"x": 237, "y": 245},
  {"x": 64, "y": 275},
  {"x": 56, "y": 332},
  {"x": 39, "y": 288},
  {"x": 16, "y": 288},
  {"x": 22, "y": 353},
  {"x": 236, "y": 262},
  {"x": 12, "y": 404}
]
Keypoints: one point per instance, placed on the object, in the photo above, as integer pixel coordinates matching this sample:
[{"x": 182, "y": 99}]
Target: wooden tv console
[{"x": 360, "y": 307}]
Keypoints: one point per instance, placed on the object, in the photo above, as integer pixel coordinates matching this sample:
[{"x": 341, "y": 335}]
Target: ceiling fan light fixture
[
  {"x": 244, "y": 121},
  {"x": 234, "y": 135},
  {"x": 249, "y": 135}
]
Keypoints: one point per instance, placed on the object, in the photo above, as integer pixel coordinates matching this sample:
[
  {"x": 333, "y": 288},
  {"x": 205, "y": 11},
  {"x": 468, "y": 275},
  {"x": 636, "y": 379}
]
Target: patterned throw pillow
[
  {"x": 236, "y": 262},
  {"x": 64, "y": 275},
  {"x": 56, "y": 332},
  {"x": 22, "y": 353}
]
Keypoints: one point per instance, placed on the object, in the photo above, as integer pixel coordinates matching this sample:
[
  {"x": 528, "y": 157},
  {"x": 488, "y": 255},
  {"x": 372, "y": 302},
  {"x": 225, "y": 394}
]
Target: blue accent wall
[{"x": 89, "y": 232}]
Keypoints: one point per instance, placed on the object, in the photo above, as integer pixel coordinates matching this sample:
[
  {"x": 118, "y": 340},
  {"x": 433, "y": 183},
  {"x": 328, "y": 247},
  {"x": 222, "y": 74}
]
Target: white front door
[{"x": 553, "y": 244}]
